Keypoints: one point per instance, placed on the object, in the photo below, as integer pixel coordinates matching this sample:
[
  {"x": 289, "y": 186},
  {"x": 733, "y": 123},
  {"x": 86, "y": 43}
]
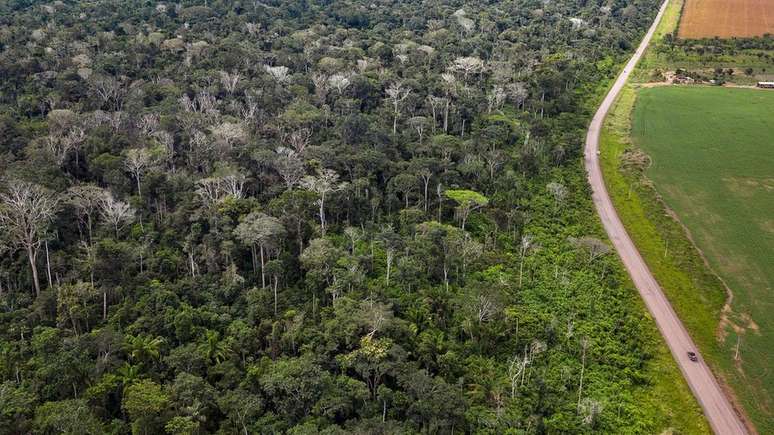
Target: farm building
[{"x": 767, "y": 85}]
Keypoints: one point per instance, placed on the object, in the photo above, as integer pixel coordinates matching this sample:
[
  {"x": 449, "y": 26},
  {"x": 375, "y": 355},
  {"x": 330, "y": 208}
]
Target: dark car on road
[{"x": 692, "y": 356}]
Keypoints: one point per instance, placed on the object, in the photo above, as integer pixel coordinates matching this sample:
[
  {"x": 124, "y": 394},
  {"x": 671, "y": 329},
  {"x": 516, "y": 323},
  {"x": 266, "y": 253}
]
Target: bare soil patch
[{"x": 726, "y": 19}]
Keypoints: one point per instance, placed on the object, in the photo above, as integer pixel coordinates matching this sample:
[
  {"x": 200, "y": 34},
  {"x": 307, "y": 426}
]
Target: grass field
[
  {"x": 726, "y": 19},
  {"x": 713, "y": 163}
]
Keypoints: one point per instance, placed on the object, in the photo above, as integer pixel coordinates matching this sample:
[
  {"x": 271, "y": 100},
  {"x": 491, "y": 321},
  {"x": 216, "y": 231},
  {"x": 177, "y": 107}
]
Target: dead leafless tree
[
  {"x": 137, "y": 162},
  {"x": 116, "y": 213},
  {"x": 26, "y": 210},
  {"x": 230, "y": 81},
  {"x": 213, "y": 190},
  {"x": 396, "y": 93},
  {"x": 289, "y": 167},
  {"x": 324, "y": 183}
]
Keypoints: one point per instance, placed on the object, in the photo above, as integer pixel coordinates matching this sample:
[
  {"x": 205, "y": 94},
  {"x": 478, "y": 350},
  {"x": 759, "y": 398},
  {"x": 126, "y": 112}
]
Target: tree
[
  {"x": 445, "y": 242},
  {"x": 321, "y": 86},
  {"x": 69, "y": 417},
  {"x": 353, "y": 234},
  {"x": 391, "y": 243},
  {"x": 526, "y": 245},
  {"x": 296, "y": 208},
  {"x": 230, "y": 80},
  {"x": 137, "y": 163},
  {"x": 435, "y": 104},
  {"x": 396, "y": 93},
  {"x": 450, "y": 87},
  {"x": 261, "y": 230},
  {"x": 324, "y": 183},
  {"x": 26, "y": 211},
  {"x": 215, "y": 349},
  {"x": 294, "y": 385},
  {"x": 467, "y": 202},
  {"x": 144, "y": 349},
  {"x": 87, "y": 199},
  {"x": 425, "y": 174},
  {"x": 468, "y": 65},
  {"x": 585, "y": 342},
  {"x": 213, "y": 190},
  {"x": 229, "y": 134},
  {"x": 373, "y": 360},
  {"x": 418, "y": 123},
  {"x": 319, "y": 259},
  {"x": 496, "y": 98},
  {"x": 596, "y": 248},
  {"x": 275, "y": 269},
  {"x": 340, "y": 82},
  {"x": 404, "y": 183},
  {"x": 145, "y": 401},
  {"x": 109, "y": 91},
  {"x": 115, "y": 212},
  {"x": 182, "y": 425},
  {"x": 558, "y": 191},
  {"x": 279, "y": 73},
  {"x": 298, "y": 140},
  {"x": 289, "y": 167},
  {"x": 73, "y": 302},
  {"x": 479, "y": 305},
  {"x": 494, "y": 160},
  {"x": 16, "y": 405},
  {"x": 241, "y": 408}
]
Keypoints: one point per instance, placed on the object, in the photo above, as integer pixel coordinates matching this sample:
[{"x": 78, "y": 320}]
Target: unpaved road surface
[{"x": 717, "y": 408}]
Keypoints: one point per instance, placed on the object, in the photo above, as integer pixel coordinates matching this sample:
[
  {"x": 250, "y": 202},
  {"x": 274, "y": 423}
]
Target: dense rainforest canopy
[{"x": 310, "y": 216}]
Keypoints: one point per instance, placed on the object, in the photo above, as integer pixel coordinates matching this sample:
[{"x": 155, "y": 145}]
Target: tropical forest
[{"x": 316, "y": 216}]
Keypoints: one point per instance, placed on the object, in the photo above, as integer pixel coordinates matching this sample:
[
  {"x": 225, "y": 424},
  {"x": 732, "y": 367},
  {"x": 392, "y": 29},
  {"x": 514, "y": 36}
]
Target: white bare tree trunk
[
  {"x": 48, "y": 265},
  {"x": 32, "y": 256},
  {"x": 263, "y": 269}
]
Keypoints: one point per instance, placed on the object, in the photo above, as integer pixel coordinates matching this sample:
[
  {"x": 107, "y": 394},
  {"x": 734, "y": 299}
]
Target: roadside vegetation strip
[
  {"x": 653, "y": 58},
  {"x": 695, "y": 294},
  {"x": 719, "y": 182},
  {"x": 726, "y": 19}
]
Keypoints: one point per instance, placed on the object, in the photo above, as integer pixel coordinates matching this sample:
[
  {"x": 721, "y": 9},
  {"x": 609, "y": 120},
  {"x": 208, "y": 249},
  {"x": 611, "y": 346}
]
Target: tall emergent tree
[
  {"x": 467, "y": 202},
  {"x": 26, "y": 210},
  {"x": 261, "y": 230}
]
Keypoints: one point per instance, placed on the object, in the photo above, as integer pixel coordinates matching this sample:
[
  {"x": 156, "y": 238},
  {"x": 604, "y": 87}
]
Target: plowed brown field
[{"x": 726, "y": 18}]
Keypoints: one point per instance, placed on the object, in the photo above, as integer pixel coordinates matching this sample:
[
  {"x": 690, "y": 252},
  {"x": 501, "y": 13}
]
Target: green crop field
[{"x": 712, "y": 161}]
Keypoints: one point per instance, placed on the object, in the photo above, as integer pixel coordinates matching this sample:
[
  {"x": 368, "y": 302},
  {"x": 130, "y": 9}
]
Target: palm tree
[
  {"x": 214, "y": 349},
  {"x": 144, "y": 348},
  {"x": 128, "y": 373}
]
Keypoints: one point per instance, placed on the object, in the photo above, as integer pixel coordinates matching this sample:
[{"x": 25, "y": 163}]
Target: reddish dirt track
[
  {"x": 726, "y": 18},
  {"x": 717, "y": 408}
]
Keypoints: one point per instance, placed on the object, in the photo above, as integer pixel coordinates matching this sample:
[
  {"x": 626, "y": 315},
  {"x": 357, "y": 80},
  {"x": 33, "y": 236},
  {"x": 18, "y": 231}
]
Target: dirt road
[{"x": 717, "y": 408}]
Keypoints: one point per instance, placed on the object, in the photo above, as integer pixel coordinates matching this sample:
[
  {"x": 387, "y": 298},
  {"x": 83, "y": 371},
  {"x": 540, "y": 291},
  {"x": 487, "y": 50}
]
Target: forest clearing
[
  {"x": 718, "y": 181},
  {"x": 726, "y": 19},
  {"x": 692, "y": 287}
]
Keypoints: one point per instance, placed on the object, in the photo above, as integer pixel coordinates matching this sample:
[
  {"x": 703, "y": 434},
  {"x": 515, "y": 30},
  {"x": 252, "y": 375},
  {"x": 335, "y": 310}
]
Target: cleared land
[
  {"x": 713, "y": 163},
  {"x": 726, "y": 19}
]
